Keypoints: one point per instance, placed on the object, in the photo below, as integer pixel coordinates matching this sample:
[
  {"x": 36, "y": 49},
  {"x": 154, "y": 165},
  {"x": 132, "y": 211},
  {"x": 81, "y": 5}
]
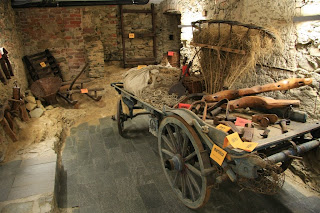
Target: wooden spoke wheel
[
  {"x": 121, "y": 117},
  {"x": 183, "y": 158}
]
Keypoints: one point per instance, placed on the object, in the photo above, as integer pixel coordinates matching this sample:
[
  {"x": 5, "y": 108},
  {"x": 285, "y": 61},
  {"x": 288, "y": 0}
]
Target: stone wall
[
  {"x": 300, "y": 52},
  {"x": 10, "y": 40},
  {"x": 79, "y": 34}
]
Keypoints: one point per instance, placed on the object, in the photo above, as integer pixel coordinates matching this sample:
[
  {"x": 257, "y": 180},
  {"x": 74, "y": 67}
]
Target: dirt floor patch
[{"x": 42, "y": 134}]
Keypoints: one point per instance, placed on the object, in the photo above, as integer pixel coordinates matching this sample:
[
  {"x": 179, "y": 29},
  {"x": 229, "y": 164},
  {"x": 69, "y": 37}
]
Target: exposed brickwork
[
  {"x": 76, "y": 34},
  {"x": 67, "y": 32}
]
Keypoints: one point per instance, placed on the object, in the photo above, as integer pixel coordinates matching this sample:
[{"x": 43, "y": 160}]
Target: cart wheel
[
  {"x": 183, "y": 158},
  {"x": 121, "y": 117}
]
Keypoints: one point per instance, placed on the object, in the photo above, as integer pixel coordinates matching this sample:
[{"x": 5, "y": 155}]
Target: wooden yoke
[
  {"x": 280, "y": 85},
  {"x": 261, "y": 102}
]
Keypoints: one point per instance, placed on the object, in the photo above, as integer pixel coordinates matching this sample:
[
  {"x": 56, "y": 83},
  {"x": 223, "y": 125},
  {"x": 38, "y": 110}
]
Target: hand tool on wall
[
  {"x": 261, "y": 102},
  {"x": 3, "y": 77},
  {"x": 281, "y": 85},
  {"x": 4, "y": 54}
]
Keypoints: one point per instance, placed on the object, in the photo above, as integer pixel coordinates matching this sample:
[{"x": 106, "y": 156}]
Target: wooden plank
[
  {"x": 225, "y": 49},
  {"x": 298, "y": 129},
  {"x": 136, "y": 11}
]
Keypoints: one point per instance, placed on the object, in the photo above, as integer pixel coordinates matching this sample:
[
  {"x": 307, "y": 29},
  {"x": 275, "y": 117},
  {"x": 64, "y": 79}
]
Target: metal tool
[
  {"x": 264, "y": 120},
  {"x": 283, "y": 123}
]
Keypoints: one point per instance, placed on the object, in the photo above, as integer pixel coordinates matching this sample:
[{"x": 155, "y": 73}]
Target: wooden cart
[{"x": 185, "y": 143}]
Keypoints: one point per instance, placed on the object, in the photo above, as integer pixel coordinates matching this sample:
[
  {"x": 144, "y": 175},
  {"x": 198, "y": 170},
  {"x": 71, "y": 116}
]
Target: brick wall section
[
  {"x": 68, "y": 32},
  {"x": 76, "y": 34},
  {"x": 56, "y": 29}
]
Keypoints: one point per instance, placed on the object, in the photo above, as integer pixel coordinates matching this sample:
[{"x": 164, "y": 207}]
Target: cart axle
[{"x": 175, "y": 163}]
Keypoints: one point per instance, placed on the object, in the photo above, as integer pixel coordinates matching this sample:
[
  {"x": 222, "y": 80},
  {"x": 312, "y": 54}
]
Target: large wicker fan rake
[{"x": 230, "y": 50}]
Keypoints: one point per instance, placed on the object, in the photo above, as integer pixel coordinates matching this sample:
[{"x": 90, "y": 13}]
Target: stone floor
[
  {"x": 28, "y": 184},
  {"x": 103, "y": 172}
]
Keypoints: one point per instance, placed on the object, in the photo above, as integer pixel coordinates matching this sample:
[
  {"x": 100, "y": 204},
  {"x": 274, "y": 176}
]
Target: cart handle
[{"x": 117, "y": 84}]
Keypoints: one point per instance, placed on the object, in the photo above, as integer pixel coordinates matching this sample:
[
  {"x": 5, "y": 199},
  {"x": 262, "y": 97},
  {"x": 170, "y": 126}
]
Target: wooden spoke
[
  {"x": 193, "y": 169},
  {"x": 178, "y": 136},
  {"x": 183, "y": 185},
  {"x": 184, "y": 145},
  {"x": 190, "y": 189},
  {"x": 172, "y": 138},
  {"x": 194, "y": 182},
  {"x": 189, "y": 157},
  {"x": 169, "y": 144},
  {"x": 167, "y": 152},
  {"x": 175, "y": 180}
]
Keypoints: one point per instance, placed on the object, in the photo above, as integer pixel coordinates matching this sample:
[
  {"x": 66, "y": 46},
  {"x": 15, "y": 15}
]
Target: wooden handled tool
[{"x": 280, "y": 85}]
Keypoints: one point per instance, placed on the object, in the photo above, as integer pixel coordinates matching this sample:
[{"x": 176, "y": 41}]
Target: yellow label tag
[
  {"x": 218, "y": 154},
  {"x": 248, "y": 146},
  {"x": 84, "y": 90},
  {"x": 236, "y": 142},
  {"x": 141, "y": 66},
  {"x": 131, "y": 35},
  {"x": 43, "y": 64},
  {"x": 223, "y": 127}
]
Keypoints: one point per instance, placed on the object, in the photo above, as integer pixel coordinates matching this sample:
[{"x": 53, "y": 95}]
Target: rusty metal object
[
  {"x": 264, "y": 120},
  {"x": 204, "y": 109},
  {"x": 283, "y": 124},
  {"x": 47, "y": 89},
  {"x": 265, "y": 133},
  {"x": 248, "y": 132}
]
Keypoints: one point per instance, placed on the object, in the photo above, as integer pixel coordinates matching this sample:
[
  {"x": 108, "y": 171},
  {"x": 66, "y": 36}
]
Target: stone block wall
[
  {"x": 10, "y": 40},
  {"x": 300, "y": 52}
]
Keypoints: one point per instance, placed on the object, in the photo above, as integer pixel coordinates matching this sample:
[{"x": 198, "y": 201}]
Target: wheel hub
[{"x": 175, "y": 163}]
